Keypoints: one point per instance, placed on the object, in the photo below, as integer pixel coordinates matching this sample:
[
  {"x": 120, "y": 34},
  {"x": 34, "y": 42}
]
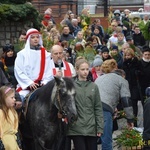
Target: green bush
[
  {"x": 25, "y": 13},
  {"x": 14, "y": 1}
]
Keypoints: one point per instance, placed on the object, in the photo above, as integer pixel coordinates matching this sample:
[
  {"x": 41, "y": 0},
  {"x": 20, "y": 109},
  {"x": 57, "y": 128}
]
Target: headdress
[
  {"x": 28, "y": 35},
  {"x": 27, "y": 45},
  {"x": 7, "y": 90}
]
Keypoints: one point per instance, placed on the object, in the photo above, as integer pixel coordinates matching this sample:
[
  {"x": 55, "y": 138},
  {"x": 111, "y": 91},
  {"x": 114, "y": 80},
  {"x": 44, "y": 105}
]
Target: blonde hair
[
  {"x": 109, "y": 65},
  {"x": 4, "y": 92},
  {"x": 80, "y": 60},
  {"x": 129, "y": 51},
  {"x": 118, "y": 29}
]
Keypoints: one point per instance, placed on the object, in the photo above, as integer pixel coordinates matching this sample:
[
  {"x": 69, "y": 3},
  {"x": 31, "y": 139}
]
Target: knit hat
[
  {"x": 7, "y": 48},
  {"x": 104, "y": 49},
  {"x": 147, "y": 91},
  {"x": 128, "y": 38},
  {"x": 114, "y": 47},
  {"x": 97, "y": 61}
]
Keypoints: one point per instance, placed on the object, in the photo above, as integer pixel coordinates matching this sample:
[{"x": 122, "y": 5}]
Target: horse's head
[{"x": 64, "y": 92}]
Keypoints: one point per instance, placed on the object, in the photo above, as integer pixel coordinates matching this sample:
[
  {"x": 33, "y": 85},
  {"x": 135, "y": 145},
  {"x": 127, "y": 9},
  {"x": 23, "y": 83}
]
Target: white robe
[{"x": 27, "y": 69}]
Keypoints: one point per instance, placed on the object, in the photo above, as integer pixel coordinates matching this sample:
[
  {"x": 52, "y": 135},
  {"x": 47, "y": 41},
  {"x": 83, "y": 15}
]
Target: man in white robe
[{"x": 32, "y": 65}]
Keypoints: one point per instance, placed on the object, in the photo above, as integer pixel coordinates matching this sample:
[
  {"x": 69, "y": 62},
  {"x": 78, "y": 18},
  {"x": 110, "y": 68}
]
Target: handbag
[{"x": 1, "y": 145}]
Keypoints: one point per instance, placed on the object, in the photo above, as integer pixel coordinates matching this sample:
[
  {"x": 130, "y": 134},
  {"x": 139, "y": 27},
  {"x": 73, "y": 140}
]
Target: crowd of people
[{"x": 108, "y": 67}]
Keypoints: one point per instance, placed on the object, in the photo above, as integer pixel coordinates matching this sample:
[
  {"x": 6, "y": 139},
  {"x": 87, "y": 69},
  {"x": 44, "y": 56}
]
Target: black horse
[{"x": 42, "y": 127}]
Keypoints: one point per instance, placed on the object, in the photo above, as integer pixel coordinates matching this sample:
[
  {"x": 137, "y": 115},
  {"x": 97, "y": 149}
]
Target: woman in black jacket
[{"x": 131, "y": 66}]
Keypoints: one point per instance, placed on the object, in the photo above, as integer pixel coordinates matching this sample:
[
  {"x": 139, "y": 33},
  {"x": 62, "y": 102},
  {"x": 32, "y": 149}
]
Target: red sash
[
  {"x": 42, "y": 68},
  {"x": 67, "y": 72}
]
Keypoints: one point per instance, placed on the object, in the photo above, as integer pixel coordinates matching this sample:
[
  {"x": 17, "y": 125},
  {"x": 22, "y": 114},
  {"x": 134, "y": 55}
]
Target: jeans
[{"x": 106, "y": 137}]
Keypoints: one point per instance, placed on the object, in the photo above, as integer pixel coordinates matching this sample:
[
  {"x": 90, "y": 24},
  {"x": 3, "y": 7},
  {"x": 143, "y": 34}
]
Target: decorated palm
[
  {"x": 89, "y": 54},
  {"x": 145, "y": 29}
]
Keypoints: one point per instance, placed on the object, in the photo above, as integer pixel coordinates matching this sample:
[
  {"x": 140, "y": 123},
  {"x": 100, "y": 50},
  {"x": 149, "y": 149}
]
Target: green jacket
[{"x": 89, "y": 109}]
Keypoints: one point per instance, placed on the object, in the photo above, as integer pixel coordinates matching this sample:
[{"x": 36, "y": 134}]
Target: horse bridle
[
  {"x": 60, "y": 109},
  {"x": 55, "y": 97}
]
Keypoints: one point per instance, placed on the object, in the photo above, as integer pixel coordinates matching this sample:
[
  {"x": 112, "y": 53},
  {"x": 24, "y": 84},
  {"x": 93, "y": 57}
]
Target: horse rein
[{"x": 61, "y": 113}]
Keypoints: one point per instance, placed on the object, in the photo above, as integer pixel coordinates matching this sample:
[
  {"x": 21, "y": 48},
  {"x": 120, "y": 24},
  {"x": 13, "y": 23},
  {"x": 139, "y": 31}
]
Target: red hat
[{"x": 47, "y": 16}]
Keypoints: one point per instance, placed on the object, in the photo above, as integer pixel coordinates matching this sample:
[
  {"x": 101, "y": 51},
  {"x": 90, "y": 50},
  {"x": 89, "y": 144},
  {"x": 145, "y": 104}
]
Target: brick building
[{"x": 9, "y": 32}]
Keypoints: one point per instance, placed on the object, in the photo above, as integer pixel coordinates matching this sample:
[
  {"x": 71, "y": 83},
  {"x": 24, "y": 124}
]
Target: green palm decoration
[
  {"x": 89, "y": 54},
  {"x": 145, "y": 29}
]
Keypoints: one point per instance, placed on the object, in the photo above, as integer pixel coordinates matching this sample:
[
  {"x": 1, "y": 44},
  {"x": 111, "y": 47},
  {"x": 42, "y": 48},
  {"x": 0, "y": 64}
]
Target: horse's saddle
[{"x": 29, "y": 97}]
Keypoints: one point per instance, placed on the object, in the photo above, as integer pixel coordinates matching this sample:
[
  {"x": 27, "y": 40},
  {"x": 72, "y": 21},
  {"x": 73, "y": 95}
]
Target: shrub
[{"x": 25, "y": 13}]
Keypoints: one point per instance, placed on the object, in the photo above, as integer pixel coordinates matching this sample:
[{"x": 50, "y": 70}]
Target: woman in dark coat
[
  {"x": 131, "y": 67},
  {"x": 9, "y": 56}
]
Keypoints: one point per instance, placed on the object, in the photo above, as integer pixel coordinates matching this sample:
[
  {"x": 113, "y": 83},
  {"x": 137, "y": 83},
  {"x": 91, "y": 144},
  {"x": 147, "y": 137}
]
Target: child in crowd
[
  {"x": 8, "y": 119},
  {"x": 96, "y": 67},
  {"x": 114, "y": 38},
  {"x": 90, "y": 117},
  {"x": 121, "y": 40}
]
